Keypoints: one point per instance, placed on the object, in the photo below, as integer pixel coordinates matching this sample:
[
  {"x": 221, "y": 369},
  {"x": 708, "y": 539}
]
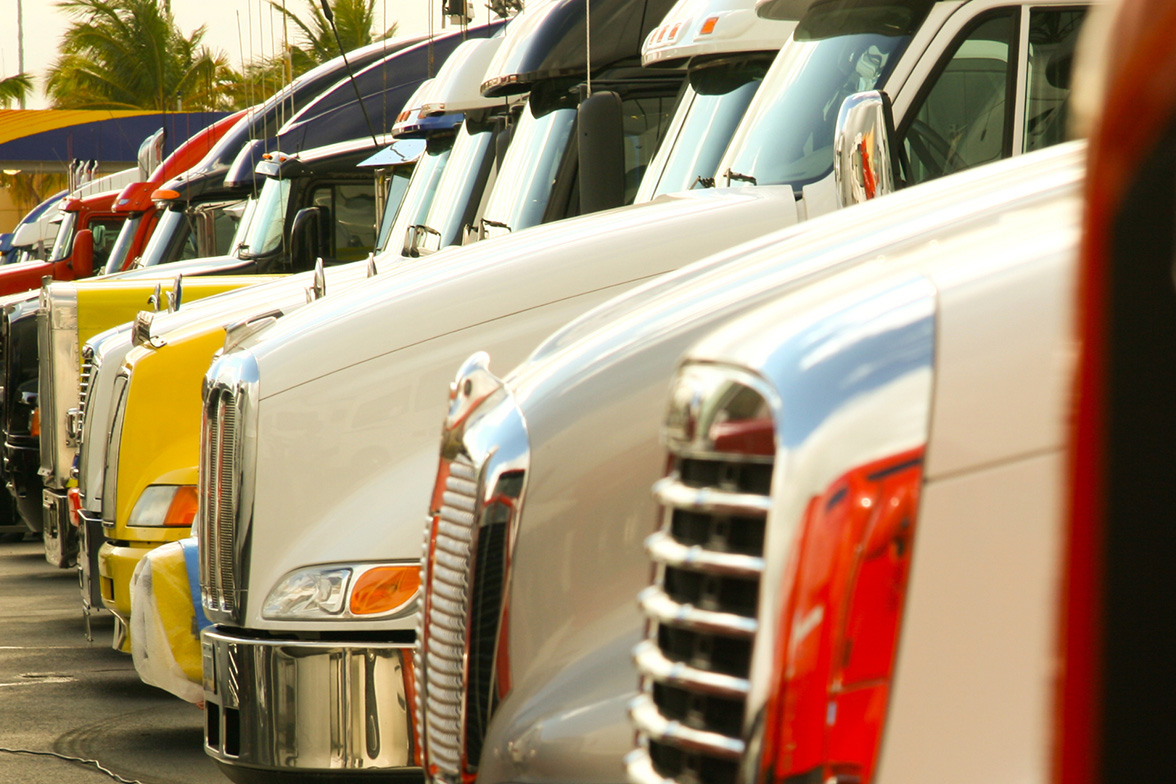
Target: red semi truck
[
  {"x": 77, "y": 254},
  {"x": 136, "y": 201}
]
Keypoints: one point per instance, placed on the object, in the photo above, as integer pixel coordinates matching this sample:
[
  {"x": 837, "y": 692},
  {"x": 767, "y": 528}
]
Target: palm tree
[
  {"x": 15, "y": 89},
  {"x": 316, "y": 41},
  {"x": 129, "y": 54}
]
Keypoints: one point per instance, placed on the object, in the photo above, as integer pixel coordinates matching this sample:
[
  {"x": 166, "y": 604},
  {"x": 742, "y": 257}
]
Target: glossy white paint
[
  {"x": 353, "y": 388},
  {"x": 975, "y": 663},
  {"x": 412, "y": 107},
  {"x": 209, "y": 313},
  {"x": 457, "y": 83},
  {"x": 973, "y": 683},
  {"x": 593, "y": 396},
  {"x": 735, "y": 28}
]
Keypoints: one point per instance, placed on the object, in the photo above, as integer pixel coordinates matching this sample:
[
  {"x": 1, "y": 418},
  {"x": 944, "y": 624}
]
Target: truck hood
[
  {"x": 461, "y": 288},
  {"x": 352, "y": 394},
  {"x": 283, "y": 294},
  {"x": 593, "y": 398},
  {"x": 211, "y": 265}
]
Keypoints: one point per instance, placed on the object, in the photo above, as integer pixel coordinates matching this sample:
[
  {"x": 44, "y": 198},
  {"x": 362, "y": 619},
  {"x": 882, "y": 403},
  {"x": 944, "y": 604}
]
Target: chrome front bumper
[{"x": 301, "y": 707}]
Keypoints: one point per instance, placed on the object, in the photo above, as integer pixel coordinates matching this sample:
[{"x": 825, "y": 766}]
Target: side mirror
[
  {"x": 421, "y": 240},
  {"x": 308, "y": 238},
  {"x": 600, "y": 135},
  {"x": 864, "y": 154},
  {"x": 81, "y": 261}
]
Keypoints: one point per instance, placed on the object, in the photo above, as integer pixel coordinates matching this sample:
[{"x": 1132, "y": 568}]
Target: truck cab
[
  {"x": 134, "y": 201},
  {"x": 531, "y": 569},
  {"x": 322, "y": 180},
  {"x": 87, "y": 208}
]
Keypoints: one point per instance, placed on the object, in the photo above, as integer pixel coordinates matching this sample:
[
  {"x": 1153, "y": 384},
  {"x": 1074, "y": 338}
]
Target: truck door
[{"x": 1001, "y": 88}]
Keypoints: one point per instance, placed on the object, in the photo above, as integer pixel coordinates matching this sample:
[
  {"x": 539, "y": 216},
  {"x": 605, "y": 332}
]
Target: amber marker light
[
  {"x": 164, "y": 194},
  {"x": 165, "y": 505},
  {"x": 35, "y": 423},
  {"x": 182, "y": 510},
  {"x": 384, "y": 588},
  {"x": 708, "y": 26}
]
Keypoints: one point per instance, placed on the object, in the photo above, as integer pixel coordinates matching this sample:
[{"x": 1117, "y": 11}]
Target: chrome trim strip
[
  {"x": 708, "y": 500},
  {"x": 648, "y": 720},
  {"x": 652, "y": 664},
  {"x": 661, "y": 608},
  {"x": 663, "y": 548}
]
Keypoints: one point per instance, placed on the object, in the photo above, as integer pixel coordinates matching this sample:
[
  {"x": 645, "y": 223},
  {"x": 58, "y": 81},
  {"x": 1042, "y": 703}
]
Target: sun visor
[
  {"x": 397, "y": 153},
  {"x": 411, "y": 122},
  {"x": 548, "y": 41},
  {"x": 412, "y": 107},
  {"x": 243, "y": 172},
  {"x": 136, "y": 197},
  {"x": 783, "y": 10},
  {"x": 385, "y": 85},
  {"x": 701, "y": 28}
]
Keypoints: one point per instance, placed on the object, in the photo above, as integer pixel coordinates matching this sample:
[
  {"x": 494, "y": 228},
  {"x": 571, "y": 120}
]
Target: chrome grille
[
  {"x": 219, "y": 496},
  {"x": 440, "y": 659},
  {"x": 696, "y": 662}
]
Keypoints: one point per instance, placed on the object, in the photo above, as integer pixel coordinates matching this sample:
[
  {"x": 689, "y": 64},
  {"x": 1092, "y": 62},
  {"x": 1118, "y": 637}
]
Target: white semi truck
[{"x": 542, "y": 510}]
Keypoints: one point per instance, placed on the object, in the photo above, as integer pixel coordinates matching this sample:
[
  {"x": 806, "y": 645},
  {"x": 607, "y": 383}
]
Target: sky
[{"x": 234, "y": 26}]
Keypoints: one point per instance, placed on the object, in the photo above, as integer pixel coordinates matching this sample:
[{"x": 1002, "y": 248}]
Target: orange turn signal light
[
  {"x": 164, "y": 194},
  {"x": 384, "y": 588},
  {"x": 35, "y": 423},
  {"x": 182, "y": 510},
  {"x": 708, "y": 26}
]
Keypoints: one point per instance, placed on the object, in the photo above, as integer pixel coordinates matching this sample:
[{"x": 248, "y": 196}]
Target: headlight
[
  {"x": 165, "y": 505},
  {"x": 344, "y": 592}
]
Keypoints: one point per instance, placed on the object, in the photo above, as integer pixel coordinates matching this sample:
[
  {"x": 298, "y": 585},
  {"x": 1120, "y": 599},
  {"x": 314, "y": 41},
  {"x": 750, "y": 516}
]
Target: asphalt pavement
[{"x": 61, "y": 694}]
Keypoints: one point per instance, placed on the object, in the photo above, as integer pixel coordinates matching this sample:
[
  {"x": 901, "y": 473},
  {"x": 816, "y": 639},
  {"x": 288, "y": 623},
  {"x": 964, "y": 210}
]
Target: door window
[
  {"x": 1052, "y": 34},
  {"x": 964, "y": 119},
  {"x": 351, "y": 208}
]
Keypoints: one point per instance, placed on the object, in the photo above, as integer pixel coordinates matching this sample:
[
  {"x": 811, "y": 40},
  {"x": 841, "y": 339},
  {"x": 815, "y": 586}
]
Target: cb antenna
[{"x": 331, "y": 21}]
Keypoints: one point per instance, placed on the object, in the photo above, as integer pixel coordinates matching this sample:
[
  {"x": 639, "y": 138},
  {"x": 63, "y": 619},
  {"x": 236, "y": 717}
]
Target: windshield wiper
[
  {"x": 493, "y": 224},
  {"x": 706, "y": 182},
  {"x": 731, "y": 174}
]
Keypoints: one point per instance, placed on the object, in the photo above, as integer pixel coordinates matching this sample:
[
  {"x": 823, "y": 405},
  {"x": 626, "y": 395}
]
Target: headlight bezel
[{"x": 342, "y": 580}]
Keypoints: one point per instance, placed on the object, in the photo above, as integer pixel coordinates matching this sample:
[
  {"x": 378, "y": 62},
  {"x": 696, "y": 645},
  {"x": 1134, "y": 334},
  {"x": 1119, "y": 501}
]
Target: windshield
[
  {"x": 707, "y": 116},
  {"x": 457, "y": 187},
  {"x": 396, "y": 184},
  {"x": 173, "y": 230},
  {"x": 243, "y": 223},
  {"x": 64, "y": 242},
  {"x": 264, "y": 234},
  {"x": 524, "y": 183},
  {"x": 787, "y": 135},
  {"x": 122, "y": 245},
  {"x": 417, "y": 198}
]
